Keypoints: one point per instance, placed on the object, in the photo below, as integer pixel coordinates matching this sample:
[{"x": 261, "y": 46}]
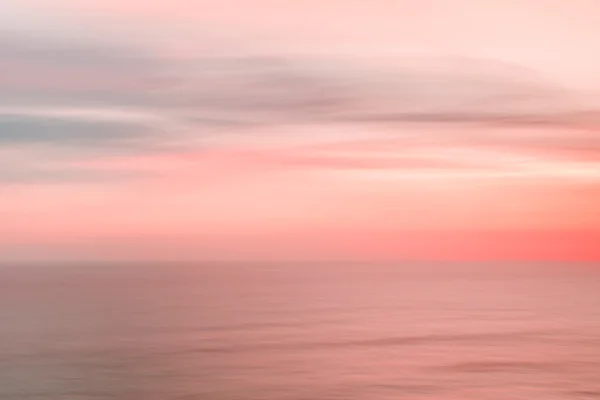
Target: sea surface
[{"x": 300, "y": 332}]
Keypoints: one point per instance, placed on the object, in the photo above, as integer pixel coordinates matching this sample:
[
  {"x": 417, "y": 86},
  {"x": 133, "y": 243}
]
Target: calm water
[{"x": 279, "y": 332}]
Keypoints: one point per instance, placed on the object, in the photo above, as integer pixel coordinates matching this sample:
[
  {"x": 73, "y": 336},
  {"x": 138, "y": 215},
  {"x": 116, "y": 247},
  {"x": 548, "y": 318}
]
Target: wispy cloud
[
  {"x": 90, "y": 134},
  {"x": 103, "y": 99},
  {"x": 37, "y": 70}
]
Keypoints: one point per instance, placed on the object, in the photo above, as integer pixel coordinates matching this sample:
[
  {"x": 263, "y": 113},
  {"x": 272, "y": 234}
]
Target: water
[{"x": 299, "y": 332}]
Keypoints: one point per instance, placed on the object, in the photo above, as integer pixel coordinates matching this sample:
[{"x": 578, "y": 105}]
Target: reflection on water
[{"x": 297, "y": 332}]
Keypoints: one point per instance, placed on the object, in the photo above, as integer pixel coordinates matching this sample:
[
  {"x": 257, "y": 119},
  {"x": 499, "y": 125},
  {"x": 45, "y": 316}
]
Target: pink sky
[{"x": 292, "y": 185}]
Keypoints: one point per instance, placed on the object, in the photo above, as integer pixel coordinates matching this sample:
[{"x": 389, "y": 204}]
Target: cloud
[
  {"x": 275, "y": 90},
  {"x": 38, "y": 70},
  {"x": 19, "y": 130},
  {"x": 74, "y": 52},
  {"x": 410, "y": 90},
  {"x": 78, "y": 134},
  {"x": 103, "y": 99},
  {"x": 508, "y": 106},
  {"x": 49, "y": 149}
]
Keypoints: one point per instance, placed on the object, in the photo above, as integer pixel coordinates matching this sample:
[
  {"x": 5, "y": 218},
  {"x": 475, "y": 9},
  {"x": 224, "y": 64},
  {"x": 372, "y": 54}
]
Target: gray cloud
[
  {"x": 275, "y": 90},
  {"x": 206, "y": 95},
  {"x": 38, "y": 71},
  {"x": 75, "y": 133},
  {"x": 111, "y": 57},
  {"x": 446, "y": 92},
  {"x": 49, "y": 149},
  {"x": 272, "y": 91},
  {"x": 263, "y": 87}
]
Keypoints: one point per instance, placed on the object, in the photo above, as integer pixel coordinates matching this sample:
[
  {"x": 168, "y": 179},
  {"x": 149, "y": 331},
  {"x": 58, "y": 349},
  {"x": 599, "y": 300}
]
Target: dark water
[{"x": 279, "y": 332}]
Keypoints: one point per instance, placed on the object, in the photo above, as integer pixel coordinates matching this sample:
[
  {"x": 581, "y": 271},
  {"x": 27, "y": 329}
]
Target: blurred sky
[{"x": 354, "y": 129}]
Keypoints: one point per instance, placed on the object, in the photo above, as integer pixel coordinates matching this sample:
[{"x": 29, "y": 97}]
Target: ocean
[{"x": 300, "y": 332}]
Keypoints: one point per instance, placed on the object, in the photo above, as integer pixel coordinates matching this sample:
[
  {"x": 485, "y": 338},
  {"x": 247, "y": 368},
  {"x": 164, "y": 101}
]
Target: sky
[{"x": 299, "y": 130}]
